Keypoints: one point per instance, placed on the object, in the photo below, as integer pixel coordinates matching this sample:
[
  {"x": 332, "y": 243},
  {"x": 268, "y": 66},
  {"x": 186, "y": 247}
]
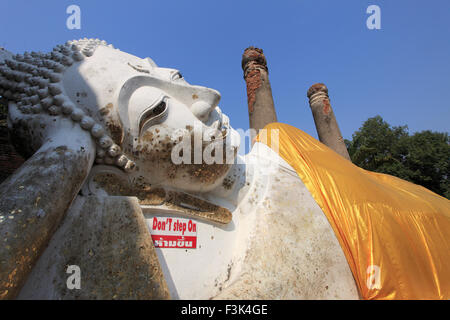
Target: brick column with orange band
[
  {"x": 325, "y": 120},
  {"x": 261, "y": 109}
]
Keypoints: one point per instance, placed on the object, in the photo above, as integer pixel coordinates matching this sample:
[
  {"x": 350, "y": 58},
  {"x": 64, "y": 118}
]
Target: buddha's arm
[{"x": 34, "y": 199}]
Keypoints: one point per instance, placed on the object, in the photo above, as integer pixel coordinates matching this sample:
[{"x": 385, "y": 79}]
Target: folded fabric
[{"x": 394, "y": 234}]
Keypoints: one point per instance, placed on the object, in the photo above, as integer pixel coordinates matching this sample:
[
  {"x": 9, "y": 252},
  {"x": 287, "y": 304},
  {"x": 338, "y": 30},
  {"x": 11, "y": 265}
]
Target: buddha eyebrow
[{"x": 139, "y": 68}]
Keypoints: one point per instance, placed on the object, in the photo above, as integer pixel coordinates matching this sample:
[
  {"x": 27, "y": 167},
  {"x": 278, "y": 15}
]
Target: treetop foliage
[{"x": 422, "y": 158}]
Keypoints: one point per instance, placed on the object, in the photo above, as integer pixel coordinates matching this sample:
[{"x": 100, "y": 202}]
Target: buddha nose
[{"x": 204, "y": 100}]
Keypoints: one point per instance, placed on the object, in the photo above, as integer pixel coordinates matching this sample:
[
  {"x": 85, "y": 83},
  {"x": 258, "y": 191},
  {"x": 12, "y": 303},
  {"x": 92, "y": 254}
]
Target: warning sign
[{"x": 169, "y": 232}]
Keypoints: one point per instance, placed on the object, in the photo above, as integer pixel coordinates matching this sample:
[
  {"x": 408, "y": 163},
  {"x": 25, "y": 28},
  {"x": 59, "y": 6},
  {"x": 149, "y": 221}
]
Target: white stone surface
[{"x": 278, "y": 246}]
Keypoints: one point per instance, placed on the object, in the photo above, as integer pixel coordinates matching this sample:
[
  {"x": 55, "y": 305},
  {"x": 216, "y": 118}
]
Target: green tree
[{"x": 422, "y": 158}]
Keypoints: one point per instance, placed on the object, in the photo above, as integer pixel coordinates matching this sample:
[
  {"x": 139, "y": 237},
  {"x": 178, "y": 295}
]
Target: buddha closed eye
[
  {"x": 153, "y": 115},
  {"x": 176, "y": 76}
]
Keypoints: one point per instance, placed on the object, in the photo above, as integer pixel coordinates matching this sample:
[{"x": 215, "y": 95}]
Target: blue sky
[{"x": 401, "y": 72}]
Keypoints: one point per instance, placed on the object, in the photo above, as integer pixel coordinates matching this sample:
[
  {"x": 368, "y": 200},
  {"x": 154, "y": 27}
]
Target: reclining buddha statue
[{"x": 134, "y": 178}]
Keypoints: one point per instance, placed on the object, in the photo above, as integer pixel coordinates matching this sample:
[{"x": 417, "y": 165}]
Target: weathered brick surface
[
  {"x": 261, "y": 109},
  {"x": 325, "y": 120}
]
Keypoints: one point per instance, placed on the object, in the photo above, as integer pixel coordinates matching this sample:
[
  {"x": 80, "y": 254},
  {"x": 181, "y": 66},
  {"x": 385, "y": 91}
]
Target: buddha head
[{"x": 145, "y": 120}]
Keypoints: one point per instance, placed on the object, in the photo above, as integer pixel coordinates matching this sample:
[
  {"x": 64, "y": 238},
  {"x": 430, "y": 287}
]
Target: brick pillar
[
  {"x": 325, "y": 120},
  {"x": 261, "y": 109}
]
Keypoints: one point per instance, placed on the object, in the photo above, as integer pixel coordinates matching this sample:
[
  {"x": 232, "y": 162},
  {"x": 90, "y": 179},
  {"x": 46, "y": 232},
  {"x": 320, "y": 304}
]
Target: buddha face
[
  {"x": 177, "y": 135},
  {"x": 146, "y": 120},
  {"x": 172, "y": 130}
]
